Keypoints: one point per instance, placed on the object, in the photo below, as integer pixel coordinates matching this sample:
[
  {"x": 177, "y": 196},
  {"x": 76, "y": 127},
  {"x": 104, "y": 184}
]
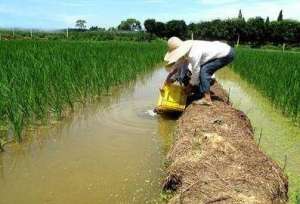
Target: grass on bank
[
  {"x": 275, "y": 74},
  {"x": 39, "y": 79},
  {"x": 270, "y": 47}
]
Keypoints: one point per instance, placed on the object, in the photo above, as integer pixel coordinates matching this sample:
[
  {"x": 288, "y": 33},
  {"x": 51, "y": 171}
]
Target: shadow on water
[
  {"x": 109, "y": 151},
  {"x": 167, "y": 122},
  {"x": 170, "y": 115}
]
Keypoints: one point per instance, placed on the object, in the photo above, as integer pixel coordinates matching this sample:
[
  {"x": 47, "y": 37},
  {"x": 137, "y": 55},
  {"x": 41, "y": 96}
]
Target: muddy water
[
  {"x": 113, "y": 151},
  {"x": 109, "y": 152},
  {"x": 280, "y": 137}
]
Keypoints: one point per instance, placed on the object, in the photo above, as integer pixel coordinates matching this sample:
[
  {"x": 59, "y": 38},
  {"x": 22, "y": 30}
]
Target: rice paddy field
[
  {"x": 74, "y": 34},
  {"x": 45, "y": 80},
  {"x": 40, "y": 80},
  {"x": 276, "y": 74}
]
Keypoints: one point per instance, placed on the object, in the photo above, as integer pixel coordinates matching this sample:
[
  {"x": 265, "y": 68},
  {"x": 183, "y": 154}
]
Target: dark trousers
[
  {"x": 209, "y": 68},
  {"x": 206, "y": 72}
]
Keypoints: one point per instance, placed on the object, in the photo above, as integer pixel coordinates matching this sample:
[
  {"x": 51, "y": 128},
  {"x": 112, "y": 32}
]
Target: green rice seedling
[
  {"x": 74, "y": 34},
  {"x": 276, "y": 74},
  {"x": 42, "y": 78}
]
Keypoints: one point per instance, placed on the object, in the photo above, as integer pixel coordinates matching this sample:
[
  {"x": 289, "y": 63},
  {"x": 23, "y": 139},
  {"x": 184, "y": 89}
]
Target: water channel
[{"x": 113, "y": 151}]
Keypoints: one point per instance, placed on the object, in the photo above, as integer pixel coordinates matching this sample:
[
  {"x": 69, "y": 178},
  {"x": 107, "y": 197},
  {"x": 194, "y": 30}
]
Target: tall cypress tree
[
  {"x": 240, "y": 15},
  {"x": 267, "y": 31},
  {"x": 280, "y": 16},
  {"x": 268, "y": 21}
]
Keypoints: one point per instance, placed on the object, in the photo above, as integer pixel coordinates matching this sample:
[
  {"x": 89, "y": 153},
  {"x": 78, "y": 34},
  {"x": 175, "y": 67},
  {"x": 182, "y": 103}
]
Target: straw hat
[{"x": 177, "y": 49}]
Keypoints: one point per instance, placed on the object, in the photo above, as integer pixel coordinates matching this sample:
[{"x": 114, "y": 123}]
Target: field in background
[
  {"x": 270, "y": 47},
  {"x": 39, "y": 79},
  {"x": 276, "y": 74},
  {"x": 73, "y": 34}
]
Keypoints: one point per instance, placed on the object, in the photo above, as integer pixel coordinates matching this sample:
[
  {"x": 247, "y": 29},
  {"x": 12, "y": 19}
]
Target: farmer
[{"x": 204, "y": 59}]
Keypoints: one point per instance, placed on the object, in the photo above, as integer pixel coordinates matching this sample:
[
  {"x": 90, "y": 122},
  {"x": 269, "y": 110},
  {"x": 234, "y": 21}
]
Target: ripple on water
[{"x": 127, "y": 116}]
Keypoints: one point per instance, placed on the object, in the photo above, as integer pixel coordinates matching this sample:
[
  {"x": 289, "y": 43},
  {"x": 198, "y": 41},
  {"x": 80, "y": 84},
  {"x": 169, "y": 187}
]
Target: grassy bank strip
[
  {"x": 202, "y": 168},
  {"x": 38, "y": 79},
  {"x": 275, "y": 74},
  {"x": 73, "y": 34}
]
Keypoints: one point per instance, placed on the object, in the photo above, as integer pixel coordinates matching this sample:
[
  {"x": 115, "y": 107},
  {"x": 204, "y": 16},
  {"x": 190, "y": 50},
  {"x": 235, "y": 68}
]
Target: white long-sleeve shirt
[{"x": 202, "y": 52}]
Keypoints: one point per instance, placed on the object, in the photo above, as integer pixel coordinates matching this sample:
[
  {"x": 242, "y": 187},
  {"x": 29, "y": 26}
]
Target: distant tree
[
  {"x": 130, "y": 24},
  {"x": 268, "y": 32},
  {"x": 256, "y": 30},
  {"x": 156, "y": 28},
  {"x": 192, "y": 27},
  {"x": 285, "y": 31},
  {"x": 297, "y": 34},
  {"x": 280, "y": 16},
  {"x": 150, "y": 25},
  {"x": 235, "y": 31},
  {"x": 176, "y": 28},
  {"x": 96, "y": 28},
  {"x": 212, "y": 30},
  {"x": 81, "y": 24},
  {"x": 268, "y": 21},
  {"x": 134, "y": 24},
  {"x": 240, "y": 16},
  {"x": 124, "y": 26},
  {"x": 111, "y": 29},
  {"x": 160, "y": 29}
]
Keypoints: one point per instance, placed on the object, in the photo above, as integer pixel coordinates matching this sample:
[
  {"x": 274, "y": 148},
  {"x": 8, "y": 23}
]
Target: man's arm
[{"x": 169, "y": 79}]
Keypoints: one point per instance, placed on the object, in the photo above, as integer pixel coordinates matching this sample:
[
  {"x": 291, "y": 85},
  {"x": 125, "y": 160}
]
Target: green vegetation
[
  {"x": 171, "y": 28},
  {"x": 80, "y": 24},
  {"x": 294, "y": 188},
  {"x": 94, "y": 34},
  {"x": 274, "y": 47},
  {"x": 40, "y": 79},
  {"x": 255, "y": 32},
  {"x": 130, "y": 24},
  {"x": 106, "y": 36},
  {"x": 294, "y": 197},
  {"x": 276, "y": 74}
]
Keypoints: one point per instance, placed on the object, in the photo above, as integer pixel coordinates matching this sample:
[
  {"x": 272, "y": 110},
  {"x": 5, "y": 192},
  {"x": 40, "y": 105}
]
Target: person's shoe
[{"x": 203, "y": 102}]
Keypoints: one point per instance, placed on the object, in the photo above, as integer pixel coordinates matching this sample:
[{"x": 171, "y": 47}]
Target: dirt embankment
[{"x": 215, "y": 159}]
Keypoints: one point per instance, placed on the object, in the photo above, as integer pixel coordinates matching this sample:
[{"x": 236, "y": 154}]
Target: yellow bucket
[{"x": 172, "y": 98}]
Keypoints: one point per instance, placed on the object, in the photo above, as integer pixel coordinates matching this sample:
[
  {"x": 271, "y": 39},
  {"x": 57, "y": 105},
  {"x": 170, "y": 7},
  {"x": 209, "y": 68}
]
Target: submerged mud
[{"x": 215, "y": 159}]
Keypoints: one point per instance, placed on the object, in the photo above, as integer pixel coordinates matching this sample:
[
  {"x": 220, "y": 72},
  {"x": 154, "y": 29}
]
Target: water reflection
[{"x": 166, "y": 129}]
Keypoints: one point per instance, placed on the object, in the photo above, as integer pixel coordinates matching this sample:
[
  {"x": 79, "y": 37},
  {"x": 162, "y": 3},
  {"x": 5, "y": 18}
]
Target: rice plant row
[
  {"x": 40, "y": 78},
  {"x": 276, "y": 74},
  {"x": 74, "y": 34}
]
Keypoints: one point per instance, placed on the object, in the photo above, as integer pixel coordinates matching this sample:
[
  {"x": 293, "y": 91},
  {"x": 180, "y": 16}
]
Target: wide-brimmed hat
[{"x": 177, "y": 49}]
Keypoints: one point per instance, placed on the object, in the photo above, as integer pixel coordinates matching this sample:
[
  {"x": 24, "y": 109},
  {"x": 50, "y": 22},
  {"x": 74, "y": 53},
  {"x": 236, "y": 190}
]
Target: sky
[{"x": 56, "y": 14}]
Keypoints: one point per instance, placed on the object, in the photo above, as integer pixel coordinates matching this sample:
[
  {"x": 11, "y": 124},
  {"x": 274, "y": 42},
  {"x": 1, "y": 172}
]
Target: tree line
[{"x": 255, "y": 31}]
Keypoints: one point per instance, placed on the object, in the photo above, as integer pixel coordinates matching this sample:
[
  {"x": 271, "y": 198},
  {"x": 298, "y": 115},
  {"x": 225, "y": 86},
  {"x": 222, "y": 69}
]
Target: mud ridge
[{"x": 215, "y": 159}]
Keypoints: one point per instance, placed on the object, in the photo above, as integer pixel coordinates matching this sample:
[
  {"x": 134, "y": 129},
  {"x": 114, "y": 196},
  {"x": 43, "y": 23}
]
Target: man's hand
[{"x": 169, "y": 81}]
